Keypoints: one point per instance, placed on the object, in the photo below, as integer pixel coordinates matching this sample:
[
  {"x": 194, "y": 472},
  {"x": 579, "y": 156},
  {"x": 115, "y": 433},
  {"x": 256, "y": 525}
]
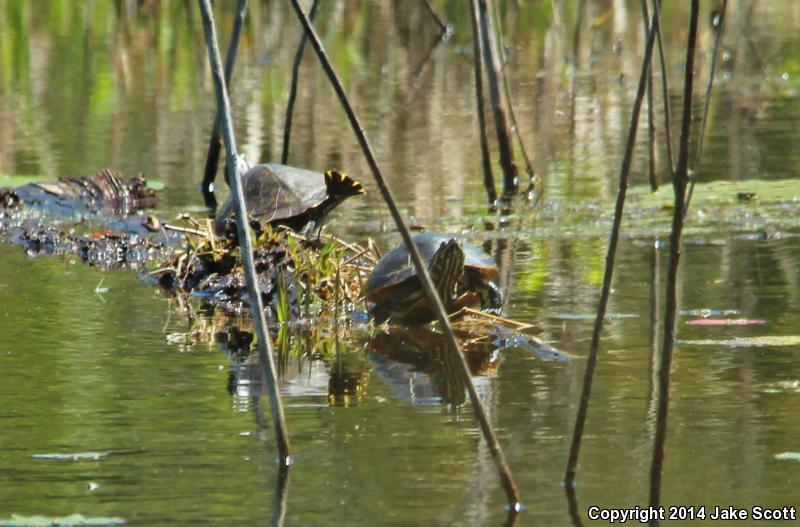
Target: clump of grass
[
  {"x": 328, "y": 273},
  {"x": 300, "y": 278}
]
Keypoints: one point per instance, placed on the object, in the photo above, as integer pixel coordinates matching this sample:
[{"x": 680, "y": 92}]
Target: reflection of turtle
[
  {"x": 418, "y": 366},
  {"x": 462, "y": 273},
  {"x": 283, "y": 195}
]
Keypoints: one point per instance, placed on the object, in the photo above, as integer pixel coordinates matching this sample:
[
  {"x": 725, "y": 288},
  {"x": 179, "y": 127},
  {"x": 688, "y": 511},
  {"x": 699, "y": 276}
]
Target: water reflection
[
  {"x": 310, "y": 365},
  {"x": 125, "y": 84},
  {"x": 413, "y": 362},
  {"x": 417, "y": 365}
]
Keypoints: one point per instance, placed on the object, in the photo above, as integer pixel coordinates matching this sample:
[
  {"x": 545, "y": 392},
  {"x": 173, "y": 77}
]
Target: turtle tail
[{"x": 341, "y": 186}]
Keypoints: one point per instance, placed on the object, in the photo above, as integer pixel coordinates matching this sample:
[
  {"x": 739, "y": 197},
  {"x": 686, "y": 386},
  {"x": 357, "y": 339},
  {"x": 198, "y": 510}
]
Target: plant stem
[
  {"x": 477, "y": 52},
  {"x": 664, "y": 87},
  {"x": 507, "y": 92},
  {"x": 591, "y": 364},
  {"x": 234, "y": 168},
  {"x": 298, "y": 57},
  {"x": 422, "y": 272},
  {"x": 679, "y": 184},
  {"x": 215, "y": 142},
  {"x": 707, "y": 103},
  {"x": 651, "y": 122},
  {"x": 444, "y": 28},
  {"x": 492, "y": 60}
]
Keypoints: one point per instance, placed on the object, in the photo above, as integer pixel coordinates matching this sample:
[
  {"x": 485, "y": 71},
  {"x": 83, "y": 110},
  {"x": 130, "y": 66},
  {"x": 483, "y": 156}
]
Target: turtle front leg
[
  {"x": 491, "y": 299},
  {"x": 378, "y": 314}
]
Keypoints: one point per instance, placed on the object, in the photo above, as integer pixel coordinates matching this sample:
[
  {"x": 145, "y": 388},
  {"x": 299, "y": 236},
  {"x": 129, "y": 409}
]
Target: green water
[{"x": 140, "y": 379}]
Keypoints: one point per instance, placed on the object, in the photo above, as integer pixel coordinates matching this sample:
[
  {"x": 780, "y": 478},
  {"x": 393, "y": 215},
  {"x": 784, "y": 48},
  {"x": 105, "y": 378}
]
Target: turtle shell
[
  {"x": 395, "y": 275},
  {"x": 280, "y": 194}
]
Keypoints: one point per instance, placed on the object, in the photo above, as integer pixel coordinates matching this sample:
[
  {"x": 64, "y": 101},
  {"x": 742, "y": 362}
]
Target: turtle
[
  {"x": 283, "y": 195},
  {"x": 463, "y": 274}
]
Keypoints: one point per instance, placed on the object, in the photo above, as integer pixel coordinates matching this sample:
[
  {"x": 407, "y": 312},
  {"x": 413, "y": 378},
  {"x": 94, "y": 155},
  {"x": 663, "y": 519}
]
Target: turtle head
[
  {"x": 446, "y": 267},
  {"x": 340, "y": 185}
]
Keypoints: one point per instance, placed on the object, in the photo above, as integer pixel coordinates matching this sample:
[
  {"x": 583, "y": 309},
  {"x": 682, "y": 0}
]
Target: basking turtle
[
  {"x": 462, "y": 273},
  {"x": 284, "y": 195}
]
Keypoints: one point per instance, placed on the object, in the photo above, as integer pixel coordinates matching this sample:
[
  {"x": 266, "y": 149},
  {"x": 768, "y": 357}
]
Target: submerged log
[{"x": 105, "y": 192}]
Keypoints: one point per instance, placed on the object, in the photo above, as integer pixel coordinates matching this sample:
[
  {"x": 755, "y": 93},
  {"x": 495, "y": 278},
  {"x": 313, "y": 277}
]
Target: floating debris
[
  {"x": 542, "y": 350},
  {"x": 747, "y": 342},
  {"x": 73, "y": 520},
  {"x": 100, "y": 289},
  {"x": 592, "y": 316},
  {"x": 783, "y": 387},
  {"x": 726, "y": 322},
  {"x": 706, "y": 313},
  {"x": 79, "y": 456}
]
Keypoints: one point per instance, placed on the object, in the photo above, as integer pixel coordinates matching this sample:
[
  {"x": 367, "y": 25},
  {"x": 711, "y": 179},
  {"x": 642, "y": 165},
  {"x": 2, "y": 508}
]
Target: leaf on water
[
  {"x": 726, "y": 322},
  {"x": 17, "y": 180},
  {"x": 55, "y": 521},
  {"x": 540, "y": 349},
  {"x": 77, "y": 456},
  {"x": 707, "y": 312},
  {"x": 99, "y": 289},
  {"x": 783, "y": 387},
  {"x": 788, "y": 456},
  {"x": 592, "y": 316},
  {"x": 747, "y": 342},
  {"x": 156, "y": 185}
]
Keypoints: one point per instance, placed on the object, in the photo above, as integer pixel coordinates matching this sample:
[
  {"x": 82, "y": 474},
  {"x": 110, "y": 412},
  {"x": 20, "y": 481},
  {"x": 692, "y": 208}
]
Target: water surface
[{"x": 141, "y": 380}]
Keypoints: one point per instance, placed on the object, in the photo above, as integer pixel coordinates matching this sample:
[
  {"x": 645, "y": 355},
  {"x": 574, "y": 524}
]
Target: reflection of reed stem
[
  {"x": 651, "y": 121},
  {"x": 422, "y": 271},
  {"x": 572, "y": 505},
  {"x": 507, "y": 92},
  {"x": 573, "y": 83},
  {"x": 444, "y": 28},
  {"x": 281, "y": 497},
  {"x": 707, "y": 103},
  {"x": 215, "y": 142},
  {"x": 492, "y": 61},
  {"x": 298, "y": 57},
  {"x": 234, "y": 168},
  {"x": 655, "y": 322},
  {"x": 679, "y": 183},
  {"x": 282, "y": 481},
  {"x": 591, "y": 363},
  {"x": 477, "y": 52},
  {"x": 664, "y": 87}
]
